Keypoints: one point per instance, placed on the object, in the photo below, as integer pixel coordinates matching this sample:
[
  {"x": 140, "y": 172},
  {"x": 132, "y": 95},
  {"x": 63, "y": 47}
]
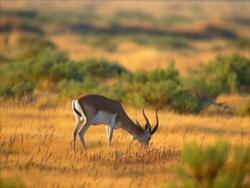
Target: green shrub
[
  {"x": 6, "y": 91},
  {"x": 54, "y": 66},
  {"x": 23, "y": 88},
  {"x": 156, "y": 90},
  {"x": 70, "y": 88},
  {"x": 20, "y": 89},
  {"x": 157, "y": 75},
  {"x": 29, "y": 46},
  {"x": 101, "y": 69},
  {"x": 170, "y": 73},
  {"x": 184, "y": 102},
  {"x": 200, "y": 85},
  {"x": 14, "y": 72},
  {"x": 159, "y": 94},
  {"x": 150, "y": 93},
  {"x": 116, "y": 91},
  {"x": 73, "y": 88},
  {"x": 134, "y": 99},
  {"x": 231, "y": 71},
  {"x": 212, "y": 167},
  {"x": 15, "y": 81},
  {"x": 226, "y": 74},
  {"x": 52, "y": 70},
  {"x": 161, "y": 88},
  {"x": 140, "y": 77}
]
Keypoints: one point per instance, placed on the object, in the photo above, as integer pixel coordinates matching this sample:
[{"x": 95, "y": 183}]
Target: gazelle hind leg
[
  {"x": 80, "y": 119},
  {"x": 78, "y": 126},
  {"x": 82, "y": 132}
]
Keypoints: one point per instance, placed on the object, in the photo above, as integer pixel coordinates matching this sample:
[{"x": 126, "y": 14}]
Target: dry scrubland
[
  {"x": 36, "y": 146},
  {"x": 35, "y": 138}
]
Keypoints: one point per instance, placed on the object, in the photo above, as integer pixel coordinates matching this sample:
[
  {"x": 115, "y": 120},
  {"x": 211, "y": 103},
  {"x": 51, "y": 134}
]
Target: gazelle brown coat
[{"x": 95, "y": 110}]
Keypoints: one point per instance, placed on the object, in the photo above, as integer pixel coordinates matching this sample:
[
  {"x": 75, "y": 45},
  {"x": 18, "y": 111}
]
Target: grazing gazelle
[{"x": 95, "y": 109}]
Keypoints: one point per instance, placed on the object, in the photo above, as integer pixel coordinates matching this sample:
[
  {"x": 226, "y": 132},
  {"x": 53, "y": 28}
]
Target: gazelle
[{"x": 95, "y": 110}]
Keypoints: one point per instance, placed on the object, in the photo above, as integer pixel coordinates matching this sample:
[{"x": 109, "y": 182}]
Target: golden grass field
[
  {"x": 36, "y": 137},
  {"x": 36, "y": 146}
]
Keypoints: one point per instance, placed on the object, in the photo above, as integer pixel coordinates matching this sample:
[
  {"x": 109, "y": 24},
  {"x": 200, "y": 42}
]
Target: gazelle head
[{"x": 148, "y": 131}]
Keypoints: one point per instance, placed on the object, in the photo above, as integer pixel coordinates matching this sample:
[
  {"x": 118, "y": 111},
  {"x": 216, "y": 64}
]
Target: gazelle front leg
[
  {"x": 110, "y": 129},
  {"x": 107, "y": 131}
]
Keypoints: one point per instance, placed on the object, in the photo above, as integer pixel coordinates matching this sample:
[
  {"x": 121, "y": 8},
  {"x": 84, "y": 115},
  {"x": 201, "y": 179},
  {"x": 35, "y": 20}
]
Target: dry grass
[{"x": 36, "y": 145}]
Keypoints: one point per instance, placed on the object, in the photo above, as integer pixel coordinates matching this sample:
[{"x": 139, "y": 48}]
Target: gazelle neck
[{"x": 133, "y": 129}]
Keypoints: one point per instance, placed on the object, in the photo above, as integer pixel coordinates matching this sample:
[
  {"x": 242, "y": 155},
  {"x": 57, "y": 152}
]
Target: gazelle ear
[{"x": 137, "y": 123}]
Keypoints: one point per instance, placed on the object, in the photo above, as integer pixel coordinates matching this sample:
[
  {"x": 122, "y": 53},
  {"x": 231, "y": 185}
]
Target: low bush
[
  {"x": 184, "y": 102},
  {"x": 50, "y": 69},
  {"x": 135, "y": 99},
  {"x": 20, "y": 89},
  {"x": 29, "y": 46},
  {"x": 6, "y": 91},
  {"x": 101, "y": 69},
  {"x": 70, "y": 89},
  {"x": 158, "y": 94},
  {"x": 157, "y": 75},
  {"x": 226, "y": 74},
  {"x": 212, "y": 167}
]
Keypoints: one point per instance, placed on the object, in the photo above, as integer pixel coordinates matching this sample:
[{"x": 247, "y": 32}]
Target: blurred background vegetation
[{"x": 182, "y": 57}]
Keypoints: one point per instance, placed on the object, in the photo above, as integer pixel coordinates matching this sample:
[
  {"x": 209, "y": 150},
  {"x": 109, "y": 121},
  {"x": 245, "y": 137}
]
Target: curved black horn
[
  {"x": 148, "y": 127},
  {"x": 157, "y": 122},
  {"x": 145, "y": 115}
]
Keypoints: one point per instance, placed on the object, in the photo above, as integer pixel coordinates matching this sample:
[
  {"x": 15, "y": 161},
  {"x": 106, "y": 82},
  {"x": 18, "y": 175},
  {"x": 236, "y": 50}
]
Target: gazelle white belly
[{"x": 103, "y": 118}]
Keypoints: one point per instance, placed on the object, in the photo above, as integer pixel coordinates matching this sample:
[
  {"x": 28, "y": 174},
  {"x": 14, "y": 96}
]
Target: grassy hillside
[{"x": 137, "y": 34}]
